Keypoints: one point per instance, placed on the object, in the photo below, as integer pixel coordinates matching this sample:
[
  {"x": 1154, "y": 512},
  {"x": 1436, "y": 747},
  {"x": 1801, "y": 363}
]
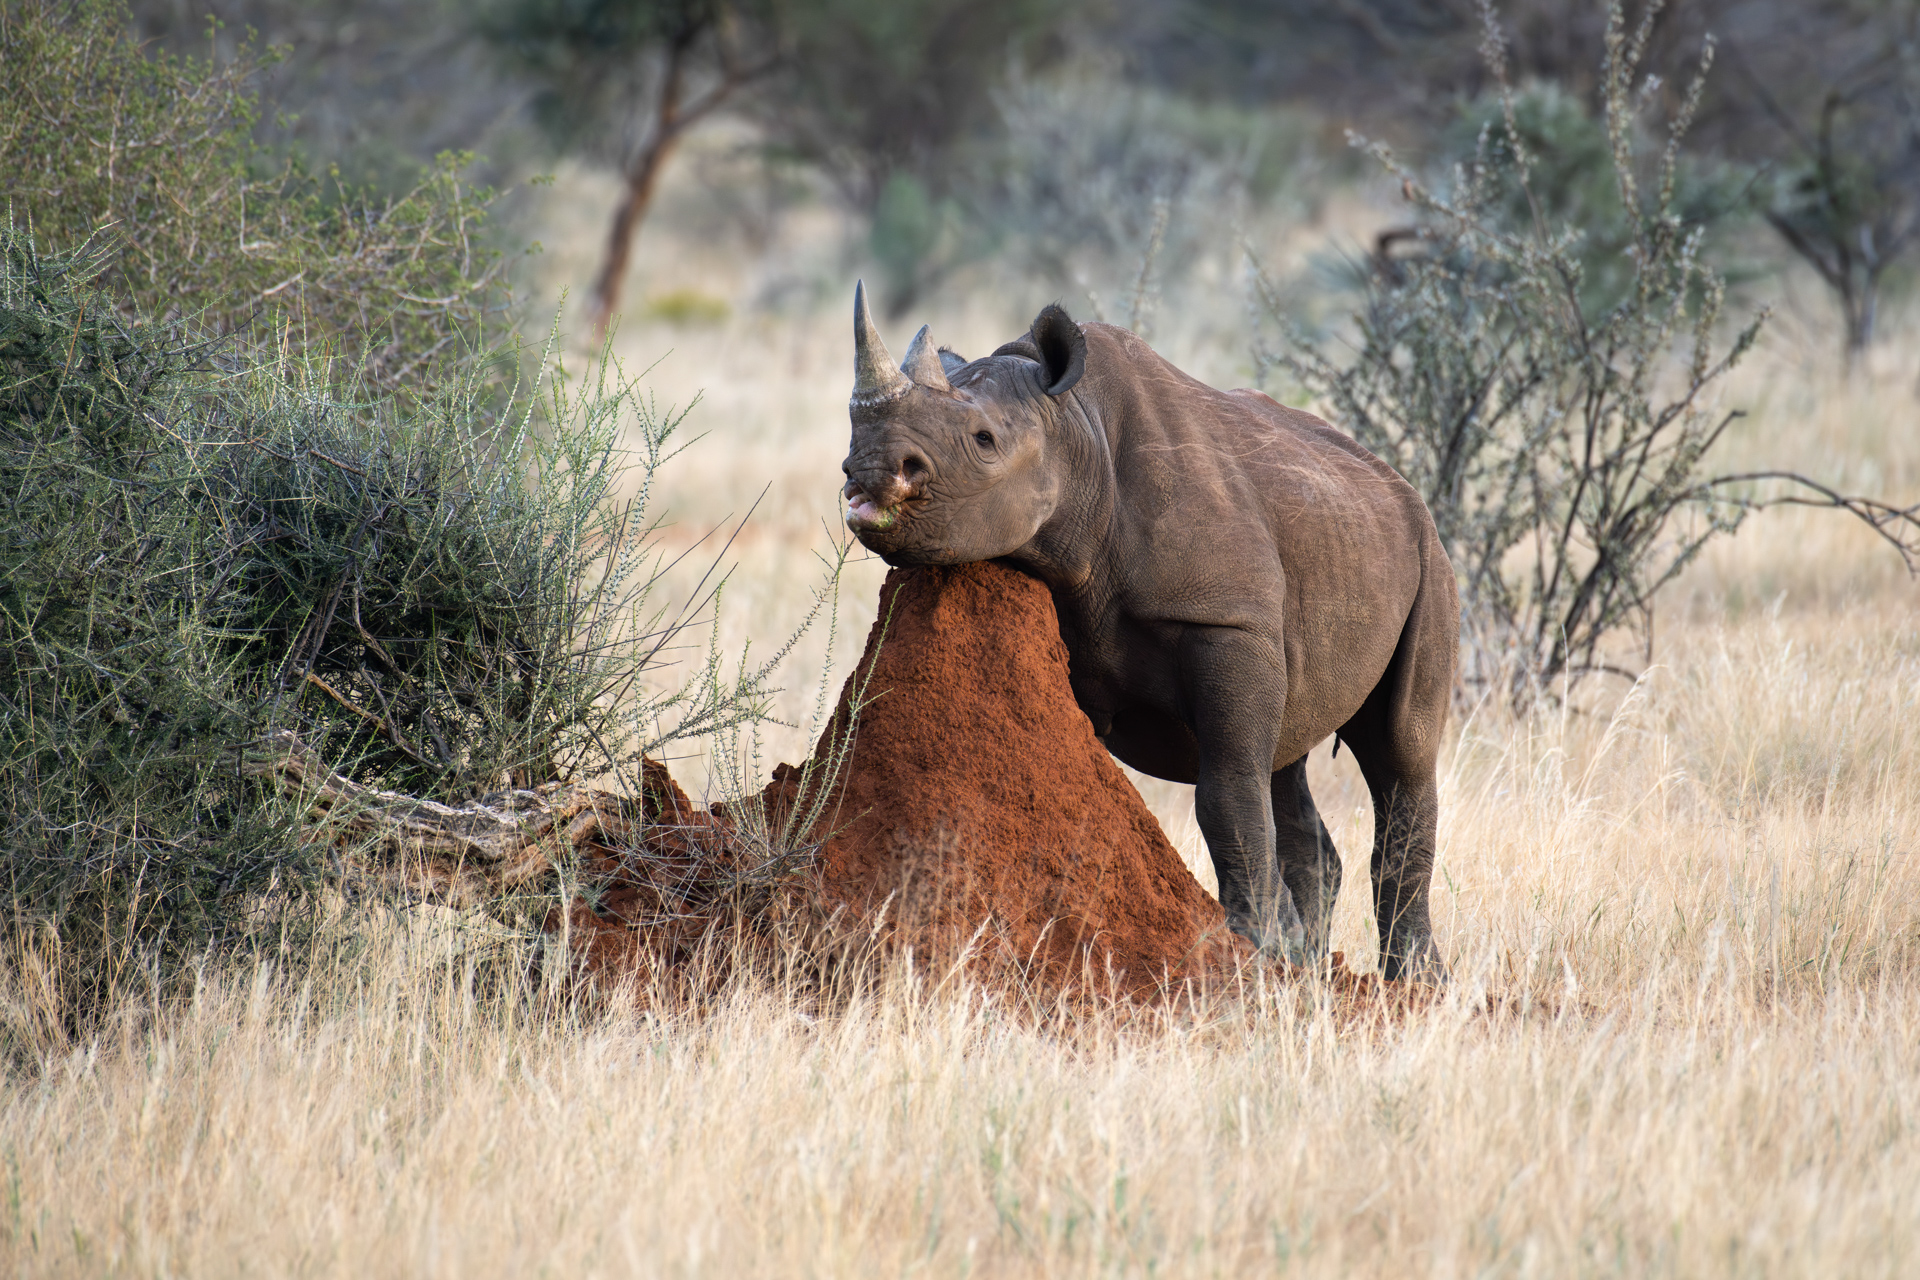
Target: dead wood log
[{"x": 461, "y": 856}]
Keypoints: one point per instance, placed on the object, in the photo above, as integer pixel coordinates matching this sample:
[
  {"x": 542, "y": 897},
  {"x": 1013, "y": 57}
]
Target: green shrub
[
  {"x": 192, "y": 556},
  {"x": 1569, "y": 180},
  {"x": 1556, "y": 419},
  {"x": 97, "y": 133}
]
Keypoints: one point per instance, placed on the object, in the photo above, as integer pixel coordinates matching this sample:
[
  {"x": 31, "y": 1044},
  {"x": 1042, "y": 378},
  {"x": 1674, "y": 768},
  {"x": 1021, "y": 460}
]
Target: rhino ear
[
  {"x": 1063, "y": 349},
  {"x": 952, "y": 361}
]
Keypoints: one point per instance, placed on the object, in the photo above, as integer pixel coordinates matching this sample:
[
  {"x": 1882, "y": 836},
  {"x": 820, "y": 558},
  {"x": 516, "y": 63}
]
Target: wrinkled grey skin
[{"x": 1235, "y": 581}]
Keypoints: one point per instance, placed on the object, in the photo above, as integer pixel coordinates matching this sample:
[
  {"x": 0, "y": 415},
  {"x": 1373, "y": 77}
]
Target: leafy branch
[{"x": 1557, "y": 431}]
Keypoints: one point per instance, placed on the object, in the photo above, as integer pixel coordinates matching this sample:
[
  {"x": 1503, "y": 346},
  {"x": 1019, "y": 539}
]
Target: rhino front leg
[
  {"x": 1309, "y": 864},
  {"x": 1234, "y": 693},
  {"x": 1232, "y": 807}
]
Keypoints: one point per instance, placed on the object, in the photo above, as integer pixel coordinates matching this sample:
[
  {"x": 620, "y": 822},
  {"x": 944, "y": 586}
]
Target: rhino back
[{"x": 1233, "y": 510}]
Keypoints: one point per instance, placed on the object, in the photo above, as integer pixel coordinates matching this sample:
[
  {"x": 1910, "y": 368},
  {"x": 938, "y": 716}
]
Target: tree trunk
[
  {"x": 642, "y": 176},
  {"x": 459, "y": 856},
  {"x": 673, "y": 116},
  {"x": 1861, "y": 308}
]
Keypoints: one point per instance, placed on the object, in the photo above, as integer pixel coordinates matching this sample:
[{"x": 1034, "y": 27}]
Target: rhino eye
[{"x": 984, "y": 439}]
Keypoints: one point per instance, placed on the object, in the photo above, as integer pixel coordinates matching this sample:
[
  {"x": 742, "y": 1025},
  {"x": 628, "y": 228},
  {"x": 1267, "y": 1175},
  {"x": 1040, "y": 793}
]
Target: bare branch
[{"x": 1899, "y": 527}]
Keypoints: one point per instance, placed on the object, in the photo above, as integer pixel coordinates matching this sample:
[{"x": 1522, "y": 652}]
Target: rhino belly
[{"x": 1155, "y": 743}]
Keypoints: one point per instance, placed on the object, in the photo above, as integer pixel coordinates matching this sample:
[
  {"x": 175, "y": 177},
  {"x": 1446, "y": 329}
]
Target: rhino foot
[
  {"x": 1285, "y": 942},
  {"x": 1421, "y": 963}
]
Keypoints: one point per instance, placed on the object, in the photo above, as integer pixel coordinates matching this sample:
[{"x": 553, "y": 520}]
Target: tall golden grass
[{"x": 1692, "y": 907}]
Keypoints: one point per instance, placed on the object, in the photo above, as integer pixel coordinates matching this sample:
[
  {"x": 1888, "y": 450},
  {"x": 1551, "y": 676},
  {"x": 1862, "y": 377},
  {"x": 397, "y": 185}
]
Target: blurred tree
[
  {"x": 1103, "y": 187},
  {"x": 1823, "y": 102},
  {"x": 602, "y": 63},
  {"x": 377, "y": 87},
  {"x": 1384, "y": 61},
  {"x": 877, "y": 94},
  {"x": 873, "y": 89},
  {"x": 156, "y": 151},
  {"x": 1846, "y": 193},
  {"x": 885, "y": 98}
]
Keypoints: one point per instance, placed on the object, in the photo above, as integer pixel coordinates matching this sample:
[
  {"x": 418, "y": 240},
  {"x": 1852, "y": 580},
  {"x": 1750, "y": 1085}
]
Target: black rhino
[{"x": 1235, "y": 581}]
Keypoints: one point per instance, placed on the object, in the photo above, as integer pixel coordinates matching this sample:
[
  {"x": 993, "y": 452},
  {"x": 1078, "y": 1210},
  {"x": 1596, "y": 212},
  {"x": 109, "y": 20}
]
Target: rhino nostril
[{"x": 913, "y": 467}]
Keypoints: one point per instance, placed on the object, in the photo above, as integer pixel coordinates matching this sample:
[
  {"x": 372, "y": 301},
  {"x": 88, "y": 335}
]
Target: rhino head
[{"x": 953, "y": 462}]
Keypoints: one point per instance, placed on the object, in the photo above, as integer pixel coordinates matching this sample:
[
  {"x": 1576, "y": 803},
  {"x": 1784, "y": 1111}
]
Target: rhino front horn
[
  {"x": 922, "y": 364},
  {"x": 875, "y": 380}
]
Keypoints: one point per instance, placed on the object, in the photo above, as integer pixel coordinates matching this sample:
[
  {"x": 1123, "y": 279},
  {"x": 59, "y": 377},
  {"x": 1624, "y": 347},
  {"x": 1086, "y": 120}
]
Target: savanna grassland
[{"x": 1692, "y": 905}]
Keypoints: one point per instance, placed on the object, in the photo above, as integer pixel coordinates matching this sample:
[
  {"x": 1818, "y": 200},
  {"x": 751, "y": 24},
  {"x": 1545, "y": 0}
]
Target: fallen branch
[{"x": 458, "y": 855}]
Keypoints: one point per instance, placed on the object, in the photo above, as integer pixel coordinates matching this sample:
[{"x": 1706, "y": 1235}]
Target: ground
[{"x": 1693, "y": 902}]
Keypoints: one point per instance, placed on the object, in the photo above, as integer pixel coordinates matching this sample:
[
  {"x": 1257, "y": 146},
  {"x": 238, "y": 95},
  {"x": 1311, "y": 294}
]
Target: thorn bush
[
  {"x": 1556, "y": 419},
  {"x": 442, "y": 599},
  {"x": 151, "y": 155}
]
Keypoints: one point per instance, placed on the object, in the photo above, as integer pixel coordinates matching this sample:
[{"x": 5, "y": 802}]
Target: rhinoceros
[{"x": 1235, "y": 582}]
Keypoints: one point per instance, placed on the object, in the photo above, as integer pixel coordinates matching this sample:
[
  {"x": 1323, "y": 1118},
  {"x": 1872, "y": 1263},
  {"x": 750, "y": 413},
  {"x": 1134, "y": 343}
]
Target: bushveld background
[{"x": 1682, "y": 906}]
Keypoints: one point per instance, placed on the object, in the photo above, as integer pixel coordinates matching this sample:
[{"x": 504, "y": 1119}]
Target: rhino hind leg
[
  {"x": 1309, "y": 864},
  {"x": 1396, "y": 742},
  {"x": 1401, "y": 774},
  {"x": 1405, "y": 819}
]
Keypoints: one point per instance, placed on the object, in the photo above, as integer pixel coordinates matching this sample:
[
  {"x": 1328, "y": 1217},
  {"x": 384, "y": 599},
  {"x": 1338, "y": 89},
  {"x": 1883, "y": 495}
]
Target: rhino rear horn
[
  {"x": 1063, "y": 349},
  {"x": 875, "y": 380},
  {"x": 923, "y": 363}
]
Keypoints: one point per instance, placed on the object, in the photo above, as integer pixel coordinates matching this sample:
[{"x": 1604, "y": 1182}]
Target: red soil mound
[
  {"x": 976, "y": 814},
  {"x": 1367, "y": 1000},
  {"x": 977, "y": 795},
  {"x": 660, "y": 886},
  {"x": 971, "y": 814}
]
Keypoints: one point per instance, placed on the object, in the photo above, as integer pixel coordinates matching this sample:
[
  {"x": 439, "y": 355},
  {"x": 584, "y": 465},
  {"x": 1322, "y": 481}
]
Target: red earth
[
  {"x": 978, "y": 810},
  {"x": 975, "y": 817}
]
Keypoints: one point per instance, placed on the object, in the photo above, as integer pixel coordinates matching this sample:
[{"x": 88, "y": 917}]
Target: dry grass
[
  {"x": 1687, "y": 1123},
  {"x": 1695, "y": 905}
]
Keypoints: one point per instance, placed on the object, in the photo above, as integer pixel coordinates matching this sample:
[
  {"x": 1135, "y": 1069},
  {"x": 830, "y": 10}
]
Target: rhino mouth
[
  {"x": 864, "y": 514},
  {"x": 868, "y": 512}
]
